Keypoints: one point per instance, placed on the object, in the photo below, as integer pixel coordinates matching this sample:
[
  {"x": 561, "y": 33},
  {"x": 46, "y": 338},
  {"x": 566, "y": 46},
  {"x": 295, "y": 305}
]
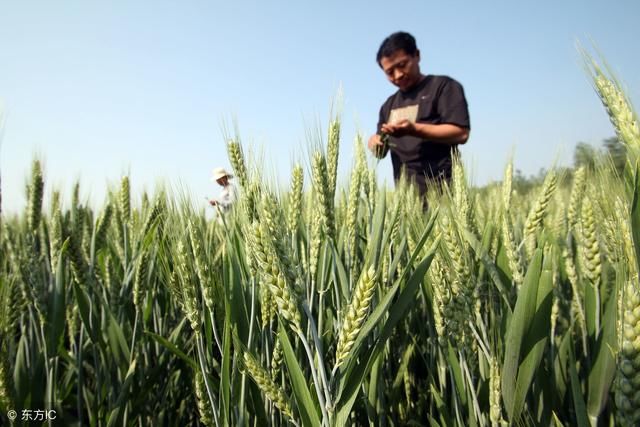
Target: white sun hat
[{"x": 220, "y": 173}]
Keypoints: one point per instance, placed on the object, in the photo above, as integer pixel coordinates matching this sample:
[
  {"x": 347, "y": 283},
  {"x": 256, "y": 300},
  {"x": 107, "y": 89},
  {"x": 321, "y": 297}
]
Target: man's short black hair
[{"x": 395, "y": 42}]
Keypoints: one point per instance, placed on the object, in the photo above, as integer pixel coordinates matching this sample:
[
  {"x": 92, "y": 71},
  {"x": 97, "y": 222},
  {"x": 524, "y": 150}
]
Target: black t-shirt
[{"x": 435, "y": 100}]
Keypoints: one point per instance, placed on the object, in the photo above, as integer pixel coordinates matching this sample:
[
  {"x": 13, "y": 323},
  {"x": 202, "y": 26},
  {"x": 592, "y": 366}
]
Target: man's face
[{"x": 402, "y": 69}]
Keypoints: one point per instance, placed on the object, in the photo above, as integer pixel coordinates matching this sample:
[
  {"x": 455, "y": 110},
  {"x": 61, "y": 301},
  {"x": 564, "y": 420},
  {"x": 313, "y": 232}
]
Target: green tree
[
  {"x": 617, "y": 151},
  {"x": 585, "y": 155}
]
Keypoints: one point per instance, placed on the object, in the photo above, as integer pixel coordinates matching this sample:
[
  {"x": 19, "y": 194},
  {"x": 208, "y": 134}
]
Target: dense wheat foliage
[{"x": 331, "y": 303}]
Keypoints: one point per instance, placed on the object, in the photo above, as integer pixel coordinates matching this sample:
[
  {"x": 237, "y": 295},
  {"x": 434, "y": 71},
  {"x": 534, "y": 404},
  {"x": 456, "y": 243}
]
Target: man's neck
[{"x": 419, "y": 80}]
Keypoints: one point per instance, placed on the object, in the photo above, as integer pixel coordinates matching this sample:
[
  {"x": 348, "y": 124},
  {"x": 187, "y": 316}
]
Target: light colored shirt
[{"x": 227, "y": 197}]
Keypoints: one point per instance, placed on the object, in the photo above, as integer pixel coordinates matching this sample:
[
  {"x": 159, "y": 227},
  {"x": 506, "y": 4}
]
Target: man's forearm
[{"x": 444, "y": 133}]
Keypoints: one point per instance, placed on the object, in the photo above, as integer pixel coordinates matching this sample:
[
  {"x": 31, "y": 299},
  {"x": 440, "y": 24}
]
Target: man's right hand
[
  {"x": 374, "y": 143},
  {"x": 378, "y": 144}
]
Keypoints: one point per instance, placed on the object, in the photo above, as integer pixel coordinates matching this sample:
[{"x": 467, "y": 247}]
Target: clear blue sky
[{"x": 100, "y": 89}]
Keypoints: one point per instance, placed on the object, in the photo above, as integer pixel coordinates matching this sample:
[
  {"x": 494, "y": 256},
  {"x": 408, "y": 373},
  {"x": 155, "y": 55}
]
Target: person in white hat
[{"x": 228, "y": 194}]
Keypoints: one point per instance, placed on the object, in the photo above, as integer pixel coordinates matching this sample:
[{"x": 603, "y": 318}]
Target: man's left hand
[{"x": 401, "y": 128}]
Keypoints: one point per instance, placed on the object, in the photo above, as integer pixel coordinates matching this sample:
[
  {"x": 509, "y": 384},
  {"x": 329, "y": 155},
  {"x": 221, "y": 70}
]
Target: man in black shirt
[{"x": 425, "y": 119}]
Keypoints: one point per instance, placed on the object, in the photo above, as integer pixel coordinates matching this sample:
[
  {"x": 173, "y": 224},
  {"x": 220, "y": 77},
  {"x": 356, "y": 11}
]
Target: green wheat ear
[
  {"x": 7, "y": 398},
  {"x": 537, "y": 213},
  {"x": 36, "y": 188},
  {"x": 495, "y": 411},
  {"x": 236, "y": 156},
  {"x": 294, "y": 213},
  {"x": 628, "y": 373},
  {"x": 204, "y": 405},
  {"x": 321, "y": 190},
  {"x": 333, "y": 148},
  {"x": 125, "y": 199},
  {"x": 355, "y": 314},
  {"x": 264, "y": 382}
]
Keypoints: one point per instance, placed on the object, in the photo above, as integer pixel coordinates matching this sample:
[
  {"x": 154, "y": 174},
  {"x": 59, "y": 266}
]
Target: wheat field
[{"x": 325, "y": 306}]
